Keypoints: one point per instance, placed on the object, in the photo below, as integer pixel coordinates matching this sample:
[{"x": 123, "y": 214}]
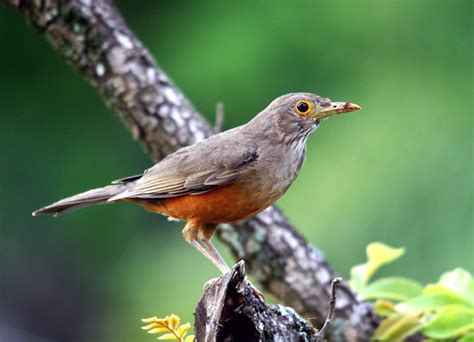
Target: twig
[
  {"x": 331, "y": 309},
  {"x": 219, "y": 116}
]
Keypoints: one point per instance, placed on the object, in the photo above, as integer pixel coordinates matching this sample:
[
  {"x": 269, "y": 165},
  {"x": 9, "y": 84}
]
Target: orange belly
[{"x": 223, "y": 205}]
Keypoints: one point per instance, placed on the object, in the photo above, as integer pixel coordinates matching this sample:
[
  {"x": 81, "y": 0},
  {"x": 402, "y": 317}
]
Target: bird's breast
[
  {"x": 225, "y": 204},
  {"x": 276, "y": 170}
]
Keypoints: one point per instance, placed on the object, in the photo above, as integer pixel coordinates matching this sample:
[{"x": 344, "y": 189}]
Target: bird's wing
[{"x": 194, "y": 170}]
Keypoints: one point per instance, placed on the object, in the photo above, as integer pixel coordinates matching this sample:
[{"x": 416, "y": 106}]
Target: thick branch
[
  {"x": 231, "y": 310},
  {"x": 93, "y": 38}
]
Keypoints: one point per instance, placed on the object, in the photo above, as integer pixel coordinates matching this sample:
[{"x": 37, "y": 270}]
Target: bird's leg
[
  {"x": 200, "y": 238},
  {"x": 191, "y": 235},
  {"x": 217, "y": 258},
  {"x": 204, "y": 236}
]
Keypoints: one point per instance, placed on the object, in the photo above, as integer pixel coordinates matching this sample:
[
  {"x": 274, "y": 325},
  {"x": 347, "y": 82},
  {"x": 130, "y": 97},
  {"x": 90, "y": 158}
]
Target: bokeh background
[{"x": 400, "y": 171}]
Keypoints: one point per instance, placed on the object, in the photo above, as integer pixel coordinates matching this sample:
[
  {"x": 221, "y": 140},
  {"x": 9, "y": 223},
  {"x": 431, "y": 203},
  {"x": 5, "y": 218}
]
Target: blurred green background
[{"x": 400, "y": 171}]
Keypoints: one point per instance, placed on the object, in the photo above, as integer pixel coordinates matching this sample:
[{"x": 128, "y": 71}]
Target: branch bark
[
  {"x": 231, "y": 310},
  {"x": 92, "y": 36}
]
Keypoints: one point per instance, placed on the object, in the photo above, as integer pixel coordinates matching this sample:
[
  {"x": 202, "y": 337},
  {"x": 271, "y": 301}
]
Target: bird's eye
[{"x": 303, "y": 107}]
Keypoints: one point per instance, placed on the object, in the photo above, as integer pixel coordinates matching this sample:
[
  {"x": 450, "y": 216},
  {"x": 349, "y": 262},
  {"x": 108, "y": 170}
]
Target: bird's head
[{"x": 303, "y": 112}]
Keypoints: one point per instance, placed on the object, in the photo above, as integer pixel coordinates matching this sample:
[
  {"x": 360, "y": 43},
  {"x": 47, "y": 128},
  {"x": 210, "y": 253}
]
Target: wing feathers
[{"x": 189, "y": 177}]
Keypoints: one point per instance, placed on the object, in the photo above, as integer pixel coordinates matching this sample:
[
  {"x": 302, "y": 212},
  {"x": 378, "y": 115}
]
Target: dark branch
[
  {"x": 92, "y": 36},
  {"x": 231, "y": 310}
]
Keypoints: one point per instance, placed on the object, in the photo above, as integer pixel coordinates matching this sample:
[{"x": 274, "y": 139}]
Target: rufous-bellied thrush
[{"x": 225, "y": 178}]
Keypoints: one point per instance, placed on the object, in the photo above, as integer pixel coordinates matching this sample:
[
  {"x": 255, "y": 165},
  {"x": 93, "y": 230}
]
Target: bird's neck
[{"x": 278, "y": 129}]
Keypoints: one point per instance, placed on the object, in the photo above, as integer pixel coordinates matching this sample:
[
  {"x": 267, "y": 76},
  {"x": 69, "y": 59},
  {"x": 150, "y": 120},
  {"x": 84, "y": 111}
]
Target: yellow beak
[{"x": 336, "y": 108}]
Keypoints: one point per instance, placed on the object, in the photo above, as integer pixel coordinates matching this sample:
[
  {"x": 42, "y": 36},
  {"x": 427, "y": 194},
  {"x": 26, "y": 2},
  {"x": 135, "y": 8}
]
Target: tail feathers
[{"x": 85, "y": 199}]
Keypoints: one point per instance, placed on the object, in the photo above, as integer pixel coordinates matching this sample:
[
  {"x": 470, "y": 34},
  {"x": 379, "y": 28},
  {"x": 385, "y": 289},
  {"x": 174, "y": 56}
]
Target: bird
[{"x": 228, "y": 177}]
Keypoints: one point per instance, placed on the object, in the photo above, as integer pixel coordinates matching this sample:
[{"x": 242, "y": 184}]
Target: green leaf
[
  {"x": 397, "y": 328},
  {"x": 384, "y": 308},
  {"x": 435, "y": 297},
  {"x": 378, "y": 255},
  {"x": 468, "y": 338},
  {"x": 460, "y": 281},
  {"x": 450, "y": 322},
  {"x": 392, "y": 288},
  {"x": 358, "y": 273},
  {"x": 358, "y": 276}
]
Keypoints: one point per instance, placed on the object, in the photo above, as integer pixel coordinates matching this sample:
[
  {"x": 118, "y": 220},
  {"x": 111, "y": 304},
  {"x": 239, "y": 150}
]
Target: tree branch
[
  {"x": 231, "y": 310},
  {"x": 92, "y": 36}
]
